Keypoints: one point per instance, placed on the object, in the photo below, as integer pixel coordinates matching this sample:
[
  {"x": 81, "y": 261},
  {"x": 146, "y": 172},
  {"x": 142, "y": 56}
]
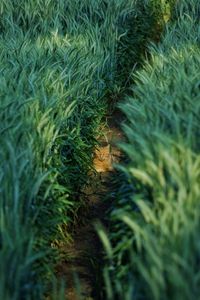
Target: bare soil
[{"x": 83, "y": 257}]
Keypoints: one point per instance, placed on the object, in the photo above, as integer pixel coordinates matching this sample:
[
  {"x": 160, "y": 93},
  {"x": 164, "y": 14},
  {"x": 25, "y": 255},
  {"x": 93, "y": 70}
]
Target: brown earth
[{"x": 82, "y": 258}]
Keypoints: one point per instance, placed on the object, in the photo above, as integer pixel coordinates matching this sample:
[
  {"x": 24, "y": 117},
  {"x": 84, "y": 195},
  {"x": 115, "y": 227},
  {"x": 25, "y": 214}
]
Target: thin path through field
[{"x": 82, "y": 258}]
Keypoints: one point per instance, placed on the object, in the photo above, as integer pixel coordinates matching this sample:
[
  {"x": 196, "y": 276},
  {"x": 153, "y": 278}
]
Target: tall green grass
[
  {"x": 154, "y": 248},
  {"x": 58, "y": 62}
]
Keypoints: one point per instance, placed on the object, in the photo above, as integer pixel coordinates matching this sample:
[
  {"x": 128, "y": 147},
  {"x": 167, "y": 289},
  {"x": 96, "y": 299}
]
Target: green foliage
[
  {"x": 58, "y": 62},
  {"x": 155, "y": 225}
]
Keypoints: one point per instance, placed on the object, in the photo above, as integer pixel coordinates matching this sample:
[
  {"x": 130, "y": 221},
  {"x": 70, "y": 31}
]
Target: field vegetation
[
  {"x": 154, "y": 248},
  {"x": 59, "y": 61},
  {"x": 63, "y": 64}
]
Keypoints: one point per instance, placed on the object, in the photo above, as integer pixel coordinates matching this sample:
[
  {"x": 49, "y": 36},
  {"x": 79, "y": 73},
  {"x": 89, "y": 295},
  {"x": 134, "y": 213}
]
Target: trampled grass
[{"x": 155, "y": 233}]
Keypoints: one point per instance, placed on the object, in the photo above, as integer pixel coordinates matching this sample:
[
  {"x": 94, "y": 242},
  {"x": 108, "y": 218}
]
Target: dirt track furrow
[{"x": 83, "y": 256}]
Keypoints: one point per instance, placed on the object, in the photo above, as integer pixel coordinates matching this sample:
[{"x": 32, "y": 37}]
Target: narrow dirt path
[{"x": 83, "y": 256}]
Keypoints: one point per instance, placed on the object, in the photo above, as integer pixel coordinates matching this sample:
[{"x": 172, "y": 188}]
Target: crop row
[
  {"x": 155, "y": 244},
  {"x": 58, "y": 62}
]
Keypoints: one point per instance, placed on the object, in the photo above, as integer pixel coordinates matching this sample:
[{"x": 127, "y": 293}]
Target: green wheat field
[{"x": 63, "y": 64}]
